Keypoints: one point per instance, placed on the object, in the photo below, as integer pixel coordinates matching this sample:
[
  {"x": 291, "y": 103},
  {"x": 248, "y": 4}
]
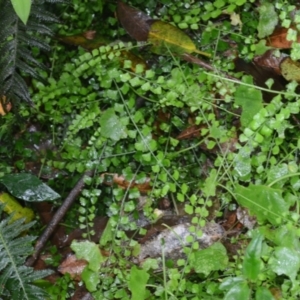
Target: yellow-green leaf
[
  {"x": 11, "y": 205},
  {"x": 290, "y": 70},
  {"x": 165, "y": 37}
]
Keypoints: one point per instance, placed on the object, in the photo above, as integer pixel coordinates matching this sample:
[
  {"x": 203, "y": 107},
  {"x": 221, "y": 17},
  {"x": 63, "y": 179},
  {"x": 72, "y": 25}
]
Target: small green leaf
[
  {"x": 111, "y": 126},
  {"x": 22, "y": 9},
  {"x": 137, "y": 283},
  {"x": 252, "y": 261},
  {"x": 263, "y": 202},
  {"x": 213, "y": 258},
  {"x": 28, "y": 188}
]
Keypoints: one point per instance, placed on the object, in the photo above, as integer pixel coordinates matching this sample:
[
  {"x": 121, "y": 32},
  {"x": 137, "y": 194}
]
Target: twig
[
  {"x": 195, "y": 60},
  {"x": 60, "y": 213}
]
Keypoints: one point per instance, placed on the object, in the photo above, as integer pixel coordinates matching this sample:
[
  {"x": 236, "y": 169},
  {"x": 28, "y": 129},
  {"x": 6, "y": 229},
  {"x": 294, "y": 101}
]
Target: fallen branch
[{"x": 60, "y": 213}]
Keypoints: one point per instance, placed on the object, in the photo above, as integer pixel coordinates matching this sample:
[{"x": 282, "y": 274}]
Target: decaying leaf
[
  {"x": 290, "y": 69},
  {"x": 88, "y": 40},
  {"x": 73, "y": 266},
  {"x": 135, "y": 22},
  {"x": 163, "y": 36}
]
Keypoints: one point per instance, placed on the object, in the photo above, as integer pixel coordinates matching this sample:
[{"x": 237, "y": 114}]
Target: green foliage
[
  {"x": 243, "y": 151},
  {"x": 17, "y": 280},
  {"x": 22, "y": 9}
]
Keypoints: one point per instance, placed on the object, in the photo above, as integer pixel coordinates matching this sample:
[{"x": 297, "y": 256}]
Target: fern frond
[
  {"x": 16, "y": 279},
  {"x": 16, "y": 43}
]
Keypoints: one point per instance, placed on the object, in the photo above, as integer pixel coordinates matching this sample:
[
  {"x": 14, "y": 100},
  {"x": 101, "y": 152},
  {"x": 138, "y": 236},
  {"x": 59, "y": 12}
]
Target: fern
[
  {"x": 16, "y": 44},
  {"x": 16, "y": 279}
]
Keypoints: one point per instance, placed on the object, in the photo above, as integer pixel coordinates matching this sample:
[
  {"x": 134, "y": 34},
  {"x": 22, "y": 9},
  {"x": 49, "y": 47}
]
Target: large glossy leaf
[
  {"x": 28, "y": 188},
  {"x": 263, "y": 202}
]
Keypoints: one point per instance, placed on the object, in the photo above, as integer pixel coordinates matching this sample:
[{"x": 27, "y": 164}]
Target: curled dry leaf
[{"x": 5, "y": 106}]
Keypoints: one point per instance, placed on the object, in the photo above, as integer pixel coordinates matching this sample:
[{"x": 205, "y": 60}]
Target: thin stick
[{"x": 60, "y": 213}]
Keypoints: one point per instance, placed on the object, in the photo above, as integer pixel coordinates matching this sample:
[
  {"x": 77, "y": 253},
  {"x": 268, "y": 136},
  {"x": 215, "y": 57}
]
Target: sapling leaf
[
  {"x": 137, "y": 283},
  {"x": 252, "y": 261},
  {"x": 264, "y": 202}
]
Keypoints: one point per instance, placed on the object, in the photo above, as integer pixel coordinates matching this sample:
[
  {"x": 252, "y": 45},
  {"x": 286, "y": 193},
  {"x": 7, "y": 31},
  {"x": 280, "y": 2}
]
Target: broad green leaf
[
  {"x": 28, "y": 188},
  {"x": 213, "y": 258},
  {"x": 137, "y": 283},
  {"x": 165, "y": 37},
  {"x": 111, "y": 126},
  {"x": 90, "y": 252},
  {"x": 209, "y": 188},
  {"x": 285, "y": 261},
  {"x": 12, "y": 206},
  {"x": 22, "y": 9},
  {"x": 264, "y": 202},
  {"x": 90, "y": 278},
  {"x": 268, "y": 19},
  {"x": 263, "y": 293},
  {"x": 250, "y": 100},
  {"x": 240, "y": 291},
  {"x": 252, "y": 261}
]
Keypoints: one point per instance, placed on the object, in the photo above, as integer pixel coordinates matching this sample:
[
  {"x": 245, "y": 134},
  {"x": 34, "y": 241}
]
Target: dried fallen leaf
[
  {"x": 73, "y": 266},
  {"x": 5, "y": 106},
  {"x": 278, "y": 39}
]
